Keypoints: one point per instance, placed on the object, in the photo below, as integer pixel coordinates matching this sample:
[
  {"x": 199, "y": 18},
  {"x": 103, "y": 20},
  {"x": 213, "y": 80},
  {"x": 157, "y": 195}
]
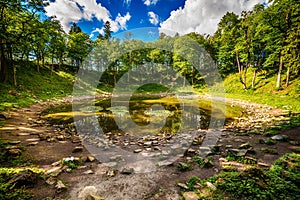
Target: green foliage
[
  {"x": 281, "y": 181},
  {"x": 43, "y": 87},
  {"x": 10, "y": 191},
  {"x": 203, "y": 162},
  {"x": 184, "y": 166},
  {"x": 192, "y": 182},
  {"x": 72, "y": 164}
]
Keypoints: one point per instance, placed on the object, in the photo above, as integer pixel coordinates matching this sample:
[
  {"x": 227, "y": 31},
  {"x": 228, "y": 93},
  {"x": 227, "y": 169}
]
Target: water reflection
[{"x": 164, "y": 116}]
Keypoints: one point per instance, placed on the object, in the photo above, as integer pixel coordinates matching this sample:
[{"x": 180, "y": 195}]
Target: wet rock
[
  {"x": 190, "y": 196},
  {"x": 280, "y": 137},
  {"x": 24, "y": 178},
  {"x": 127, "y": 171},
  {"x": 77, "y": 149}
]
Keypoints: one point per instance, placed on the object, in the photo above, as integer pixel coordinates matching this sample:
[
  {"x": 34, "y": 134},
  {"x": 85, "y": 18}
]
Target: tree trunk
[
  {"x": 15, "y": 75},
  {"x": 238, "y": 61},
  {"x": 278, "y": 83},
  {"x": 253, "y": 78},
  {"x": 3, "y": 64},
  {"x": 287, "y": 77}
]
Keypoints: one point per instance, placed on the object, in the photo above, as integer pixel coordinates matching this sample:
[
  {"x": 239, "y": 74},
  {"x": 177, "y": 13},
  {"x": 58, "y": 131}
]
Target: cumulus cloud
[
  {"x": 68, "y": 11},
  {"x": 150, "y": 2},
  {"x": 127, "y": 2},
  {"x": 202, "y": 16},
  {"x": 153, "y": 18}
]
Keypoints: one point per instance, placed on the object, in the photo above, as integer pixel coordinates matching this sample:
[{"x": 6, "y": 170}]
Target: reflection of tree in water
[{"x": 139, "y": 113}]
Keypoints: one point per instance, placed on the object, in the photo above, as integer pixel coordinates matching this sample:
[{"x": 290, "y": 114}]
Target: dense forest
[{"x": 265, "y": 39}]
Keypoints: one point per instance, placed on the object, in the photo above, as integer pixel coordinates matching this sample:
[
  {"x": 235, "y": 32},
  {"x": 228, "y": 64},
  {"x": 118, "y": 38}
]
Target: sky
[{"x": 145, "y": 19}]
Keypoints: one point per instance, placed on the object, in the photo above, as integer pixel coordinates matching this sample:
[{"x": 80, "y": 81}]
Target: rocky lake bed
[{"x": 70, "y": 168}]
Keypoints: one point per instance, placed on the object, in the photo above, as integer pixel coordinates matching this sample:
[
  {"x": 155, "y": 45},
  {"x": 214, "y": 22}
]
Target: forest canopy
[{"x": 264, "y": 39}]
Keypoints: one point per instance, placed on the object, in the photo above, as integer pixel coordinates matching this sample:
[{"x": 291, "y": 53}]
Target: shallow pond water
[{"x": 142, "y": 115}]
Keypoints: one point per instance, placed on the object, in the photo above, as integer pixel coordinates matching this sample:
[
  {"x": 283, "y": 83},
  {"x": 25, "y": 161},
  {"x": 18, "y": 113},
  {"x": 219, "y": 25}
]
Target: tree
[
  {"x": 226, "y": 38},
  {"x": 16, "y": 19},
  {"x": 107, "y": 30},
  {"x": 75, "y": 29},
  {"x": 280, "y": 17},
  {"x": 79, "y": 46}
]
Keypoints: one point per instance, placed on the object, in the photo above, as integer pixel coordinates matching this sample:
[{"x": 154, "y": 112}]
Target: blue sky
[{"x": 145, "y": 18}]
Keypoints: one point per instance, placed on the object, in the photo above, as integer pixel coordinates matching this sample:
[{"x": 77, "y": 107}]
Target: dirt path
[{"x": 47, "y": 144}]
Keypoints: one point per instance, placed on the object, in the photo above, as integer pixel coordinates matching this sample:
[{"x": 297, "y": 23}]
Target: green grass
[
  {"x": 281, "y": 181},
  {"x": 33, "y": 87},
  {"x": 265, "y": 91}
]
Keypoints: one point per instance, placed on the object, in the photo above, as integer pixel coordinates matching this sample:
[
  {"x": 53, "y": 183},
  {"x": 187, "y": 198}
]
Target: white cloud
[
  {"x": 122, "y": 20},
  {"x": 150, "y": 2},
  {"x": 68, "y": 11},
  {"x": 97, "y": 30},
  {"x": 153, "y": 18},
  {"x": 127, "y": 2},
  {"x": 202, "y": 16}
]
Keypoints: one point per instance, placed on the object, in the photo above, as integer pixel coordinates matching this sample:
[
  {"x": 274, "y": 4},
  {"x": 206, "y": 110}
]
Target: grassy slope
[
  {"x": 34, "y": 86},
  {"x": 265, "y": 91}
]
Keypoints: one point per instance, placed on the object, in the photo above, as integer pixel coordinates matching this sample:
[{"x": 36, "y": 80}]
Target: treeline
[{"x": 264, "y": 39}]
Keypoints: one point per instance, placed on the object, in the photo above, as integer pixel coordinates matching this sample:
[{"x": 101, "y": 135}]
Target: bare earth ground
[{"x": 47, "y": 144}]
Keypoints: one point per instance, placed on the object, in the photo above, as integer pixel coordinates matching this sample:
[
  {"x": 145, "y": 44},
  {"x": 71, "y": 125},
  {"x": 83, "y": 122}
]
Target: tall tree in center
[{"x": 107, "y": 30}]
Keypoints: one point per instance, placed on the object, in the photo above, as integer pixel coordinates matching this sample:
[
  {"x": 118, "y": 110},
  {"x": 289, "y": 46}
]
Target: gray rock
[
  {"x": 94, "y": 197},
  {"x": 88, "y": 190},
  {"x": 280, "y": 137},
  {"x": 127, "y": 171},
  {"x": 88, "y": 172},
  {"x": 14, "y": 152},
  {"x": 14, "y": 142},
  {"x": 60, "y": 186},
  {"x": 138, "y": 150},
  {"x": 32, "y": 143},
  {"x": 148, "y": 143},
  {"x": 183, "y": 185},
  {"x": 238, "y": 152},
  {"x": 190, "y": 196},
  {"x": 211, "y": 186},
  {"x": 245, "y": 146},
  {"x": 24, "y": 178},
  {"x": 90, "y": 159},
  {"x": 77, "y": 149}
]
